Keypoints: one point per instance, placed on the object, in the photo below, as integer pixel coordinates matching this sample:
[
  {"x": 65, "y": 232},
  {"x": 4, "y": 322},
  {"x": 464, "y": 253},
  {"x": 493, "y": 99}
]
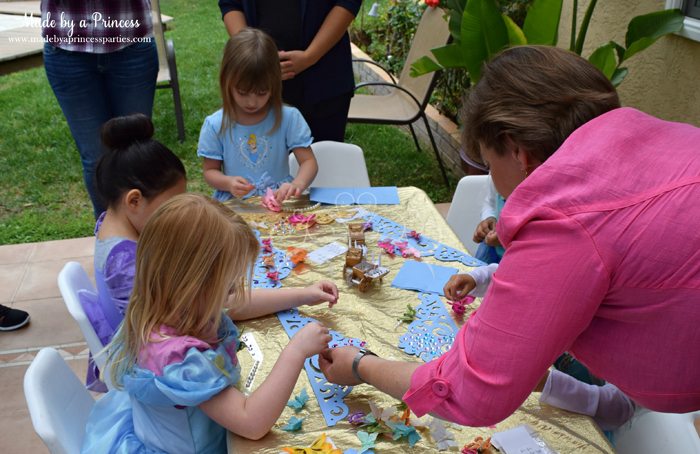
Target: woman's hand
[
  {"x": 458, "y": 286},
  {"x": 311, "y": 339},
  {"x": 483, "y": 229},
  {"x": 293, "y": 63},
  {"x": 240, "y": 186},
  {"x": 287, "y": 190},
  {"x": 321, "y": 292},
  {"x": 336, "y": 365}
]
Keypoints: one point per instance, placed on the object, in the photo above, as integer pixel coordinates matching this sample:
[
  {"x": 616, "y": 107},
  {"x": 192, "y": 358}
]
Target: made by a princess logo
[{"x": 96, "y": 21}]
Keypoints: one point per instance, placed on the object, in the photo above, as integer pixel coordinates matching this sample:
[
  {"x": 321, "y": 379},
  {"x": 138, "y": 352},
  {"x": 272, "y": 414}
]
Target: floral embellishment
[{"x": 270, "y": 202}]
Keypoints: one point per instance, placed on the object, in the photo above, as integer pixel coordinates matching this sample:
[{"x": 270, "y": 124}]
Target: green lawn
[{"x": 43, "y": 197}]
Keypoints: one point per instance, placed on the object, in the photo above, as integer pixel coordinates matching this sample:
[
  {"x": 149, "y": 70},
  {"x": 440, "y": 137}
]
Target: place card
[{"x": 327, "y": 252}]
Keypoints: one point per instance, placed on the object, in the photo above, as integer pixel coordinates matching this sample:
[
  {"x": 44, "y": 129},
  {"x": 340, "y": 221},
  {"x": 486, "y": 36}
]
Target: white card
[
  {"x": 518, "y": 441},
  {"x": 327, "y": 252}
]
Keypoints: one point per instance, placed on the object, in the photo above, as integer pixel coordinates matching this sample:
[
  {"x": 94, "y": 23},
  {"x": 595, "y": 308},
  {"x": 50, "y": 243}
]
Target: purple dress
[{"x": 115, "y": 266}]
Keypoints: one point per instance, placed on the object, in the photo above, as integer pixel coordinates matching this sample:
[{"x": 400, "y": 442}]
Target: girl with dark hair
[{"x": 134, "y": 176}]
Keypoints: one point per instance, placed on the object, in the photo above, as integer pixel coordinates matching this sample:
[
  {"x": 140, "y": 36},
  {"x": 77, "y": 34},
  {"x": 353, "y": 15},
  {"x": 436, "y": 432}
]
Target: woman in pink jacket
[{"x": 602, "y": 232}]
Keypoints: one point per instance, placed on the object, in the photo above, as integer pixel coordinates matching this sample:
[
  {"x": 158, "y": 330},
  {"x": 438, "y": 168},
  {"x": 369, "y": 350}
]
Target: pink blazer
[{"x": 603, "y": 261}]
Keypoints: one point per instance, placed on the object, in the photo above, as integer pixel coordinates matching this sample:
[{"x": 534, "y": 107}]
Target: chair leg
[
  {"x": 178, "y": 112},
  {"x": 437, "y": 154},
  {"x": 415, "y": 137},
  {"x": 175, "y": 84}
]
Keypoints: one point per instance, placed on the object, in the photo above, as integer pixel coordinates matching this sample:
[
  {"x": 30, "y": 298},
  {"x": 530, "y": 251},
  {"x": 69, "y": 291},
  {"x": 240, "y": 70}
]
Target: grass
[{"x": 43, "y": 197}]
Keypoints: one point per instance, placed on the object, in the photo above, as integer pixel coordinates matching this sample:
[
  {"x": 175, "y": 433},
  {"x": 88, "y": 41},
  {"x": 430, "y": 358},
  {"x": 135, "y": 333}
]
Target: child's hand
[
  {"x": 240, "y": 186},
  {"x": 287, "y": 190},
  {"x": 484, "y": 227},
  {"x": 458, "y": 286},
  {"x": 321, "y": 292},
  {"x": 492, "y": 239},
  {"x": 311, "y": 339}
]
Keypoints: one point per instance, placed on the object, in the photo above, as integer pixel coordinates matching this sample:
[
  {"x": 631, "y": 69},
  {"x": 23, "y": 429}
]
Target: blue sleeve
[
  {"x": 200, "y": 376},
  {"x": 297, "y": 133},
  {"x": 210, "y": 142},
  {"x": 351, "y": 5}
]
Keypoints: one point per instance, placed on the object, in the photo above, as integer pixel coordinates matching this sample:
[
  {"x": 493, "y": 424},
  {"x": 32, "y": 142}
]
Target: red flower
[{"x": 432, "y": 3}]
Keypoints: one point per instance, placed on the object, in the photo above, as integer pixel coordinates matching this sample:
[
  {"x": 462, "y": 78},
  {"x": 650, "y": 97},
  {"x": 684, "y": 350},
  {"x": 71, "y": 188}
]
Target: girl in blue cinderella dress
[
  {"x": 173, "y": 361},
  {"x": 245, "y": 145}
]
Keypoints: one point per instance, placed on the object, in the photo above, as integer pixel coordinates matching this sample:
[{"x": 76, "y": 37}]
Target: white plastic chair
[
  {"x": 71, "y": 281},
  {"x": 465, "y": 210},
  {"x": 340, "y": 165},
  {"x": 59, "y": 404},
  {"x": 651, "y": 432}
]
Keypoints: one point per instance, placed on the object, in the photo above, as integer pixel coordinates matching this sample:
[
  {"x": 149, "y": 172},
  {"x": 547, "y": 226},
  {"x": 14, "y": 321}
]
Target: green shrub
[{"x": 387, "y": 39}]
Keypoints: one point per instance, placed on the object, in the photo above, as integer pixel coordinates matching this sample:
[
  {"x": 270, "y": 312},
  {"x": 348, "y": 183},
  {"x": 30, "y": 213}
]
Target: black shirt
[{"x": 281, "y": 19}]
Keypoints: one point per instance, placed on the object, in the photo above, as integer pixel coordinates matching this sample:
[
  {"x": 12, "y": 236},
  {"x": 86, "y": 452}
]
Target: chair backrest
[
  {"x": 650, "y": 432},
  {"x": 71, "y": 280},
  {"x": 58, "y": 403},
  {"x": 159, "y": 35},
  {"x": 465, "y": 210},
  {"x": 340, "y": 165},
  {"x": 432, "y": 32}
]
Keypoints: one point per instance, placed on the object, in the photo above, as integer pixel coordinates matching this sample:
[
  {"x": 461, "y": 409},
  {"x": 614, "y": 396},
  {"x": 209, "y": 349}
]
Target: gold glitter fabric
[{"x": 372, "y": 316}]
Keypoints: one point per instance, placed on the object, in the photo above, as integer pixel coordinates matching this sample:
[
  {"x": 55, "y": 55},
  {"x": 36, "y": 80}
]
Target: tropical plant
[{"x": 479, "y": 31}]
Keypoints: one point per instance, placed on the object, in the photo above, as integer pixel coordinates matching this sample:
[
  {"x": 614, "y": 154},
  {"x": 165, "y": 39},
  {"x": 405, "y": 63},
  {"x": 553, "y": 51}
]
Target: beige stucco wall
[{"x": 663, "y": 79}]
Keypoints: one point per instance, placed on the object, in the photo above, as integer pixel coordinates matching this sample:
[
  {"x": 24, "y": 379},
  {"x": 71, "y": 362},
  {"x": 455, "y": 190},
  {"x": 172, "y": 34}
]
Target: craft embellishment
[
  {"x": 322, "y": 445},
  {"x": 271, "y": 265},
  {"x": 299, "y": 401},
  {"x": 270, "y": 202},
  {"x": 398, "y": 247},
  {"x": 417, "y": 245},
  {"x": 302, "y": 221},
  {"x": 459, "y": 307},
  {"x": 433, "y": 331},
  {"x": 294, "y": 424},
  {"x": 329, "y": 395},
  {"x": 478, "y": 446}
]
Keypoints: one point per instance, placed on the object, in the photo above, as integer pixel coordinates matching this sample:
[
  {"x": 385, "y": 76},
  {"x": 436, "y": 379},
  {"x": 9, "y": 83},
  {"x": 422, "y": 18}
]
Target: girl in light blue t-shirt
[{"x": 246, "y": 144}]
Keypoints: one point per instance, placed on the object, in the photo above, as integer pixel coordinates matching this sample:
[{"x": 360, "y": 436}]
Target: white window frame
[{"x": 691, "y": 26}]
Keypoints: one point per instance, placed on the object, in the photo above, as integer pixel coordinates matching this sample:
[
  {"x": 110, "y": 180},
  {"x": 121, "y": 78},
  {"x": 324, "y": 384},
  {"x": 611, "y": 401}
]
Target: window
[
  {"x": 692, "y": 9},
  {"x": 691, "y": 24}
]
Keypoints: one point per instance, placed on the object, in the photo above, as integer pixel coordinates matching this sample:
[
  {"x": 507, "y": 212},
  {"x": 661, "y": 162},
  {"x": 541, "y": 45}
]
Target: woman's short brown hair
[{"x": 535, "y": 96}]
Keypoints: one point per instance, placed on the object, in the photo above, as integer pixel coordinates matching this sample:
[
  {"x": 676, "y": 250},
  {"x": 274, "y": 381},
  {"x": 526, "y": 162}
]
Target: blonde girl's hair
[
  {"x": 250, "y": 63},
  {"x": 535, "y": 96},
  {"x": 192, "y": 254}
]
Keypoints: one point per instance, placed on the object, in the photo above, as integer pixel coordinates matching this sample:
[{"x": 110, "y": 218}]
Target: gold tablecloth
[{"x": 372, "y": 317}]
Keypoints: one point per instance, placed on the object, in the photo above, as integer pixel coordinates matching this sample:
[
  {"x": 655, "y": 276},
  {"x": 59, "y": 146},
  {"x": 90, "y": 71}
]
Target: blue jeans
[{"x": 92, "y": 88}]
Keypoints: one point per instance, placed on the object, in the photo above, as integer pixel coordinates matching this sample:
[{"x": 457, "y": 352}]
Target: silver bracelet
[{"x": 356, "y": 362}]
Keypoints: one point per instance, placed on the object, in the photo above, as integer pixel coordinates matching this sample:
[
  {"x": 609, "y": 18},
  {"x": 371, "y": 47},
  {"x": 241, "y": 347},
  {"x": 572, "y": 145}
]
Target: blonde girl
[
  {"x": 173, "y": 360},
  {"x": 245, "y": 145}
]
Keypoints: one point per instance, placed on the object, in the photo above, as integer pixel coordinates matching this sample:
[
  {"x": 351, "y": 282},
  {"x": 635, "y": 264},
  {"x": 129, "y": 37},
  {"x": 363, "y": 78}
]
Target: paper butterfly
[
  {"x": 368, "y": 440},
  {"x": 402, "y": 430},
  {"x": 381, "y": 414},
  {"x": 299, "y": 401},
  {"x": 294, "y": 424},
  {"x": 322, "y": 445},
  {"x": 444, "y": 439}
]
